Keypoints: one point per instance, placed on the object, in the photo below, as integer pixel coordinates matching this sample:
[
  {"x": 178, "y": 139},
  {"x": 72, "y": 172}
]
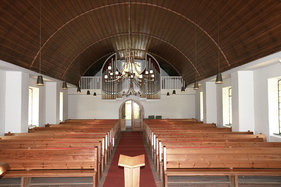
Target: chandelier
[
  {"x": 140, "y": 76},
  {"x": 131, "y": 71}
]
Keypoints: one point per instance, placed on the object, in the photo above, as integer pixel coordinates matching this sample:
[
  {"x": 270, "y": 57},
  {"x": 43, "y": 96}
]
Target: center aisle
[{"x": 130, "y": 144}]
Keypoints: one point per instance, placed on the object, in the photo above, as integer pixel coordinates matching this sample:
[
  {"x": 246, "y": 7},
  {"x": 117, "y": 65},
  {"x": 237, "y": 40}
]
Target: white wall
[
  {"x": 16, "y": 105},
  {"x": 243, "y": 101},
  {"x": 210, "y": 103},
  {"x": 253, "y": 107},
  {"x": 51, "y": 102},
  {"x": 226, "y": 83},
  {"x": 264, "y": 117},
  {"x": 82, "y": 106}
]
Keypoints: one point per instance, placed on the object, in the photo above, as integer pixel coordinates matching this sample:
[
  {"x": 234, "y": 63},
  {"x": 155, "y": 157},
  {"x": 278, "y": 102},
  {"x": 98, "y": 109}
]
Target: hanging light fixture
[
  {"x": 219, "y": 77},
  {"x": 95, "y": 94},
  {"x": 88, "y": 92},
  {"x": 196, "y": 85},
  {"x": 40, "y": 81},
  {"x": 130, "y": 70},
  {"x": 64, "y": 85},
  {"x": 183, "y": 86},
  {"x": 168, "y": 94},
  {"x": 182, "y": 89},
  {"x": 174, "y": 92},
  {"x": 78, "y": 89}
]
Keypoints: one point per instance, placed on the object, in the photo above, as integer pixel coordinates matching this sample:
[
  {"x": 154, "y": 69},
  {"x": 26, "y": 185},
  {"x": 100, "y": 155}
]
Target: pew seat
[
  {"x": 55, "y": 162},
  {"x": 232, "y": 173},
  {"x": 27, "y": 175}
]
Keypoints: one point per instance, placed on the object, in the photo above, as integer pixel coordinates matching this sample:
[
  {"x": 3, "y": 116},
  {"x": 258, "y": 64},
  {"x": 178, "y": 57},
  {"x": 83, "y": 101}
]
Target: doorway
[{"x": 131, "y": 115}]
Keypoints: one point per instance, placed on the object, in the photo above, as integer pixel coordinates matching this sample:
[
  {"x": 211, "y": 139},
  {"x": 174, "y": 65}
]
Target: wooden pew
[
  {"x": 47, "y": 138},
  {"x": 67, "y": 136},
  {"x": 218, "y": 161},
  {"x": 27, "y": 144},
  {"x": 193, "y": 149},
  {"x": 51, "y": 162}
]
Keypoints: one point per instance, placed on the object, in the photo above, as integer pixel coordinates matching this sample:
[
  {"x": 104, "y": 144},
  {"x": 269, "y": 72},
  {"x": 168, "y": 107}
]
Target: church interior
[{"x": 150, "y": 93}]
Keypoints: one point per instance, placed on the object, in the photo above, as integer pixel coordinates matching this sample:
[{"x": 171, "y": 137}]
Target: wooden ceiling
[{"x": 80, "y": 34}]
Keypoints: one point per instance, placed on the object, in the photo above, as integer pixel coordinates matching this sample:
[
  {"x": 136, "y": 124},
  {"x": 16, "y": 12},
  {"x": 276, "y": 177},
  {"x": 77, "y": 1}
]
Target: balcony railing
[
  {"x": 167, "y": 82},
  {"x": 90, "y": 82},
  {"x": 171, "y": 82}
]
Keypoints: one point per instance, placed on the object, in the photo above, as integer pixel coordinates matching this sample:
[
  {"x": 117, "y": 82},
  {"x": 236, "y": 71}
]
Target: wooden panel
[{"x": 79, "y": 33}]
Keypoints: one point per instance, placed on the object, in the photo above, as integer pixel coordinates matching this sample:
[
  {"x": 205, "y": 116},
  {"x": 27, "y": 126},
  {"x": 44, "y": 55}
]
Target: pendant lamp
[
  {"x": 78, "y": 89},
  {"x": 40, "y": 81},
  {"x": 219, "y": 79},
  {"x": 64, "y": 85},
  {"x": 196, "y": 85}
]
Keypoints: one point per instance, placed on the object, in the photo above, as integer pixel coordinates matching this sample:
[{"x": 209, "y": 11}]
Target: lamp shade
[
  {"x": 174, "y": 92},
  {"x": 219, "y": 79},
  {"x": 88, "y": 92},
  {"x": 64, "y": 85},
  {"x": 40, "y": 81},
  {"x": 196, "y": 85},
  {"x": 182, "y": 89},
  {"x": 78, "y": 89}
]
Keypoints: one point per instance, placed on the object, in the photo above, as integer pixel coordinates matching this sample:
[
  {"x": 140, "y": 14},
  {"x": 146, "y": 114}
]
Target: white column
[
  {"x": 243, "y": 101},
  {"x": 219, "y": 105},
  {"x": 51, "y": 102},
  {"x": 65, "y": 105},
  {"x": 16, "y": 106},
  {"x": 2, "y": 101},
  {"x": 210, "y": 103},
  {"x": 42, "y": 106},
  {"x": 197, "y": 105}
]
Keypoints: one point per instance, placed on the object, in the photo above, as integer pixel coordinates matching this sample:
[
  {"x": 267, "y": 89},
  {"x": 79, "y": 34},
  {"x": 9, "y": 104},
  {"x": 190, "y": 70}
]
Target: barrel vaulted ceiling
[{"x": 80, "y": 34}]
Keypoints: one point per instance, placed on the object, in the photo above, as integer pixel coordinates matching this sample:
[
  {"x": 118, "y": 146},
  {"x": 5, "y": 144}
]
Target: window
[
  {"x": 33, "y": 107},
  {"x": 227, "y": 106},
  {"x": 274, "y": 105},
  {"x": 279, "y": 105},
  {"x": 201, "y": 106},
  {"x": 61, "y": 106}
]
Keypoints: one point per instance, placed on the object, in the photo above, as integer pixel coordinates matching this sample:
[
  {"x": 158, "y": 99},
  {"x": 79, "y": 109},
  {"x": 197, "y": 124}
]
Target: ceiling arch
[
  {"x": 132, "y": 3},
  {"x": 76, "y": 33},
  {"x": 126, "y": 34}
]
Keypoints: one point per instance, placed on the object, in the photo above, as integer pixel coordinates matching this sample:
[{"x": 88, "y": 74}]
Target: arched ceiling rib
[{"x": 77, "y": 34}]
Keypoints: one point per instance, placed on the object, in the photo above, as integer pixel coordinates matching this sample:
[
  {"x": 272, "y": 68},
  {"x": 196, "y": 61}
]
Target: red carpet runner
[{"x": 130, "y": 144}]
